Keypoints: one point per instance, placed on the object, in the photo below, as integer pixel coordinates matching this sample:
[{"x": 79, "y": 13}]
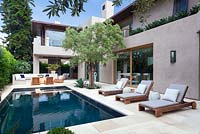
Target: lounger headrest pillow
[
  {"x": 141, "y": 89},
  {"x": 171, "y": 94},
  {"x": 119, "y": 84}
]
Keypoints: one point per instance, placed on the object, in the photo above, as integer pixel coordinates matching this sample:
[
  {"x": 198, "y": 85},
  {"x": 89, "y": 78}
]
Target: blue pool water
[{"x": 26, "y": 112}]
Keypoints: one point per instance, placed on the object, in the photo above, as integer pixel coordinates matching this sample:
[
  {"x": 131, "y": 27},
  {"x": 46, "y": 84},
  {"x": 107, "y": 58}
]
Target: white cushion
[
  {"x": 119, "y": 84},
  {"x": 127, "y": 90},
  {"x": 18, "y": 77},
  {"x": 141, "y": 89},
  {"x": 27, "y": 76},
  {"x": 171, "y": 94}
]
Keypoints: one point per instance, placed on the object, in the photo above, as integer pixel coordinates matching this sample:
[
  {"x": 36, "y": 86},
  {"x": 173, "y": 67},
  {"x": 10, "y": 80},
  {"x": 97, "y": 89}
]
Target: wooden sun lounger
[
  {"x": 134, "y": 97},
  {"x": 160, "y": 109},
  {"x": 49, "y": 80},
  {"x": 114, "y": 91}
]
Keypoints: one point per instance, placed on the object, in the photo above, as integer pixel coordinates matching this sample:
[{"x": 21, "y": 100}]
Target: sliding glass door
[
  {"x": 123, "y": 65},
  {"x": 136, "y": 64},
  {"x": 142, "y": 68}
]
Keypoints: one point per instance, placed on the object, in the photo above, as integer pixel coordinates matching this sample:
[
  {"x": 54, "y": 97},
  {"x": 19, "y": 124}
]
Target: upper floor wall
[{"x": 162, "y": 8}]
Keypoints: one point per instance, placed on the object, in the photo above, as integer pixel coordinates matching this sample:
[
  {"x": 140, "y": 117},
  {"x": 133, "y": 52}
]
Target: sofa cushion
[{"x": 22, "y": 75}]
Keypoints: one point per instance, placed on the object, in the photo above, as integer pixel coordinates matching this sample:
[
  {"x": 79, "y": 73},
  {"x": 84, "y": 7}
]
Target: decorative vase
[
  {"x": 53, "y": 72},
  {"x": 154, "y": 96}
]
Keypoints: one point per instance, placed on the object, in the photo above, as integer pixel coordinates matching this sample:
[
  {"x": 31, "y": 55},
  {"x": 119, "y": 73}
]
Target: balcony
[{"x": 49, "y": 51}]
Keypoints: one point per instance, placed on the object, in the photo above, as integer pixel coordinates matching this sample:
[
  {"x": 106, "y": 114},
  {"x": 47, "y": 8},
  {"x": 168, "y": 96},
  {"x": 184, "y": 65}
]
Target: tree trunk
[{"x": 91, "y": 75}]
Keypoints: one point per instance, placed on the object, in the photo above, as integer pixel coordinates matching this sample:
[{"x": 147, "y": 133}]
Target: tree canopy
[
  {"x": 17, "y": 25},
  {"x": 94, "y": 44}
]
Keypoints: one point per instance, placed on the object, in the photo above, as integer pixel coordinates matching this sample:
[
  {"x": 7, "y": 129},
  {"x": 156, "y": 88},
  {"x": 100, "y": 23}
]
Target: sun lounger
[
  {"x": 136, "y": 96},
  {"x": 165, "y": 105},
  {"x": 113, "y": 90}
]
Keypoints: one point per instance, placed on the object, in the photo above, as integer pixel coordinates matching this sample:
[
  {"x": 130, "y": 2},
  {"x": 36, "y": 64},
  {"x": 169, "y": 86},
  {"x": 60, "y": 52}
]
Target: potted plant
[
  {"x": 53, "y": 68},
  {"x": 22, "y": 67}
]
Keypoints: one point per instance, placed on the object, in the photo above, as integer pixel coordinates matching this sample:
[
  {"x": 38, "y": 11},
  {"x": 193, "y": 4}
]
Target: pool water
[{"x": 26, "y": 112}]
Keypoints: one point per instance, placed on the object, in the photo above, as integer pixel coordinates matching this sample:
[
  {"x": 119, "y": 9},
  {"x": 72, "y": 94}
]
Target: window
[
  {"x": 103, "y": 7},
  {"x": 135, "y": 64},
  {"x": 54, "y": 38},
  {"x": 142, "y": 67},
  {"x": 180, "y": 5},
  {"x": 123, "y": 65}
]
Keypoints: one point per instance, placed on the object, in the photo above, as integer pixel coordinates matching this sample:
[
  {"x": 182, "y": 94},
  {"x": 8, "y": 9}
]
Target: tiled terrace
[{"x": 185, "y": 121}]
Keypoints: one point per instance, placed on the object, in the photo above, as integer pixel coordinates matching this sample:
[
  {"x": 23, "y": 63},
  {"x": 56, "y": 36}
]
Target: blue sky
[{"x": 92, "y": 8}]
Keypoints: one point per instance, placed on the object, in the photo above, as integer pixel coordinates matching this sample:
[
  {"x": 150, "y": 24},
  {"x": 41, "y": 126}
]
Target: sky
[{"x": 92, "y": 8}]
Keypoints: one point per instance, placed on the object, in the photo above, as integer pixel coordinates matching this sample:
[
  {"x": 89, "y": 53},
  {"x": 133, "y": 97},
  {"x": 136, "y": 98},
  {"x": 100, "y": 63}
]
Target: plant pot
[{"x": 53, "y": 72}]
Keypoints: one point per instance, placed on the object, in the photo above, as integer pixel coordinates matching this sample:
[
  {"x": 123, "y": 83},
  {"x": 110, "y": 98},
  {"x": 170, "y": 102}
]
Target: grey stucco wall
[
  {"x": 181, "y": 36},
  {"x": 106, "y": 73}
]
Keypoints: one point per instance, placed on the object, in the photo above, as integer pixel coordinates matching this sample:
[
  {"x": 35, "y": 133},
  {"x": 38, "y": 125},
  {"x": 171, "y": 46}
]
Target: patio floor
[{"x": 185, "y": 121}]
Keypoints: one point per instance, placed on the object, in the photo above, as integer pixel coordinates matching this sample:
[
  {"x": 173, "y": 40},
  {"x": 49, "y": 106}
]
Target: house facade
[
  {"x": 166, "y": 54},
  {"x": 47, "y": 46}
]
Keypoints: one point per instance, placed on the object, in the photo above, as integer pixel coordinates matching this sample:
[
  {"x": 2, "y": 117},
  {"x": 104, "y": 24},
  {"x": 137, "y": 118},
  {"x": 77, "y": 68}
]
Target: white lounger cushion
[
  {"x": 141, "y": 89},
  {"x": 119, "y": 84},
  {"x": 110, "y": 88},
  {"x": 157, "y": 103},
  {"x": 171, "y": 94},
  {"x": 128, "y": 95}
]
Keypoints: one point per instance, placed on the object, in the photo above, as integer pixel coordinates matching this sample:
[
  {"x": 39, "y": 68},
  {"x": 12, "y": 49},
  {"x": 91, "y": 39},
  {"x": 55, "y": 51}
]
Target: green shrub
[
  {"x": 7, "y": 64},
  {"x": 95, "y": 87},
  {"x": 65, "y": 68},
  {"x": 195, "y": 9},
  {"x": 60, "y": 130},
  {"x": 22, "y": 67},
  {"x": 43, "y": 67},
  {"x": 53, "y": 67},
  {"x": 79, "y": 83},
  {"x": 136, "y": 31},
  {"x": 181, "y": 15}
]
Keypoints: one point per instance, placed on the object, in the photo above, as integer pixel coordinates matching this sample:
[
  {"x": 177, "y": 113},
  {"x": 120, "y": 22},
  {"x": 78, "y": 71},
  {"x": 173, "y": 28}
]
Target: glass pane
[
  {"x": 54, "y": 38},
  {"x": 123, "y": 65},
  {"x": 142, "y": 65}
]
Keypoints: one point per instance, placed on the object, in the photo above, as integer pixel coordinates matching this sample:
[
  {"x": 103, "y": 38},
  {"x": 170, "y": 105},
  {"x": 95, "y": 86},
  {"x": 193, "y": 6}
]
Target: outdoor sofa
[{"x": 173, "y": 99}]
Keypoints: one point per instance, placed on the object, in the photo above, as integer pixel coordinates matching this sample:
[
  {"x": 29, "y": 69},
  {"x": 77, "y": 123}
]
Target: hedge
[{"x": 7, "y": 64}]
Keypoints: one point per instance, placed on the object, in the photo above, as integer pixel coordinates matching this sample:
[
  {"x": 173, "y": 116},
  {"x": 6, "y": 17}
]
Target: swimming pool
[{"x": 25, "y": 112}]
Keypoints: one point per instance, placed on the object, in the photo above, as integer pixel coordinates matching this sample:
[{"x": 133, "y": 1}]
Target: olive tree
[{"x": 94, "y": 45}]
